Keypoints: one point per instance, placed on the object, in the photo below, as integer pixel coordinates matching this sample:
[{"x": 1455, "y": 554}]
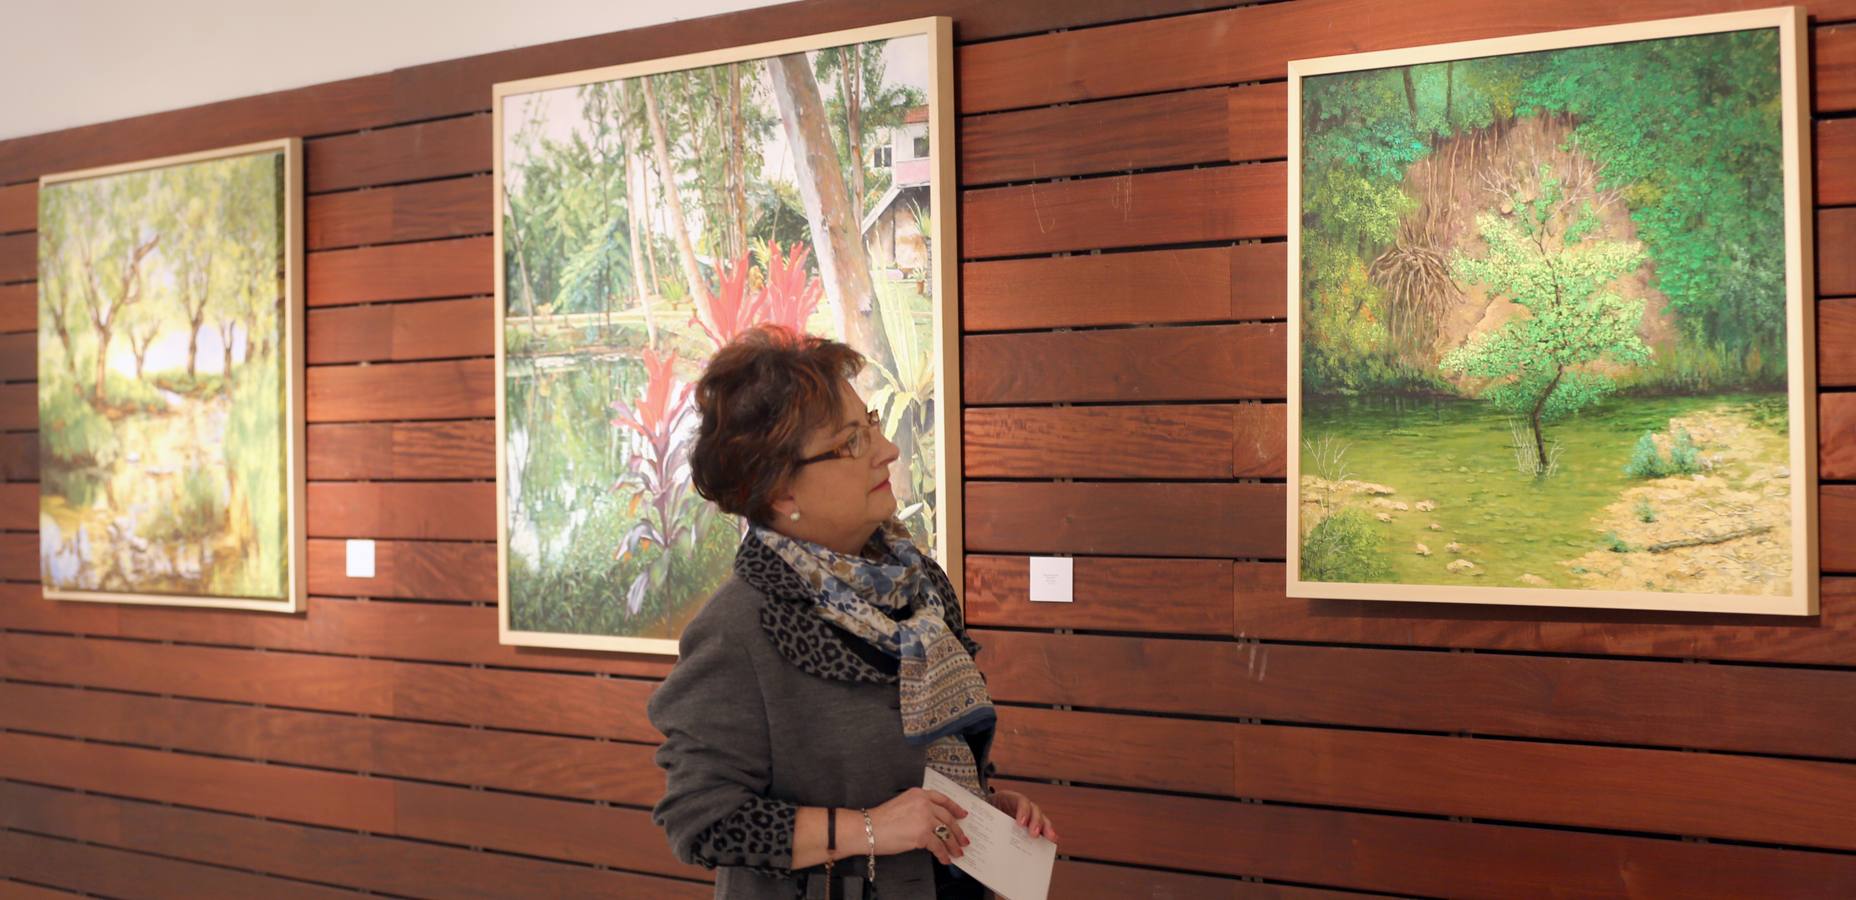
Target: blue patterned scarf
[{"x": 942, "y": 694}]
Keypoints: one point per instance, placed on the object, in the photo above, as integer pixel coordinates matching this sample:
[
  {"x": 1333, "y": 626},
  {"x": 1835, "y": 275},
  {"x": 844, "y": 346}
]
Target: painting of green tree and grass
[
  {"x": 168, "y": 435},
  {"x": 1551, "y": 329},
  {"x": 650, "y": 213}
]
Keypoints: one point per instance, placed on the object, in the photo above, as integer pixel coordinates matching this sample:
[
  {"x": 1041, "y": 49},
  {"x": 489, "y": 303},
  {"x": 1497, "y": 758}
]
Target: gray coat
[{"x": 763, "y": 703}]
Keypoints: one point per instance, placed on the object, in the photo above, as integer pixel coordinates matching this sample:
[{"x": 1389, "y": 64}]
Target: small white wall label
[
  {"x": 1051, "y": 579},
  {"x": 360, "y": 559}
]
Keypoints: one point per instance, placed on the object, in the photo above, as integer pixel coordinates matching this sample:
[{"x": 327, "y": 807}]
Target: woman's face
[{"x": 840, "y": 500}]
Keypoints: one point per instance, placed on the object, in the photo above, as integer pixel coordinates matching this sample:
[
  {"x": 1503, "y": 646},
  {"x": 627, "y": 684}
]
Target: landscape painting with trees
[
  {"x": 1551, "y": 329},
  {"x": 649, "y": 214},
  {"x": 167, "y": 387}
]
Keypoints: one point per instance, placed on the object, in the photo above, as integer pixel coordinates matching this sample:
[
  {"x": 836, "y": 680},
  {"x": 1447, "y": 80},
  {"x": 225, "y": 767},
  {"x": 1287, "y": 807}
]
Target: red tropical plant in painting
[
  {"x": 790, "y": 294},
  {"x": 786, "y": 295},
  {"x": 661, "y": 420}
]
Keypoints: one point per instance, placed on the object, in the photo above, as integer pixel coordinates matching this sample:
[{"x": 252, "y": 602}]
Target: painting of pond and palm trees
[
  {"x": 169, "y": 384},
  {"x": 649, "y": 214},
  {"x": 1551, "y": 323}
]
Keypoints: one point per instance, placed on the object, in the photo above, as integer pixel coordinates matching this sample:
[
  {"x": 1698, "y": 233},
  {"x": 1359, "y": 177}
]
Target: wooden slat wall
[{"x": 1196, "y": 732}]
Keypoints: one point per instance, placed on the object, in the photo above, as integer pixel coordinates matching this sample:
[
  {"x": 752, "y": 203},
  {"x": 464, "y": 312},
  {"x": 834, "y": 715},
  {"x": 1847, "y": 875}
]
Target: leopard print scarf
[{"x": 942, "y": 694}]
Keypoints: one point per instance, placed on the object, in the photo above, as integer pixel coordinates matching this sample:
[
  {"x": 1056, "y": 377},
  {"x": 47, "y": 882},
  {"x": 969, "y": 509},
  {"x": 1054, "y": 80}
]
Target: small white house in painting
[{"x": 892, "y": 231}]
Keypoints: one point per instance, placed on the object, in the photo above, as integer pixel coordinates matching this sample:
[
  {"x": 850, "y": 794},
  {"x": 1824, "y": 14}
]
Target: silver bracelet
[{"x": 870, "y": 836}]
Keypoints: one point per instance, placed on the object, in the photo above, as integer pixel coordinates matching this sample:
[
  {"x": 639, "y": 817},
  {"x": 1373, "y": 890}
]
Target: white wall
[{"x": 76, "y": 62}]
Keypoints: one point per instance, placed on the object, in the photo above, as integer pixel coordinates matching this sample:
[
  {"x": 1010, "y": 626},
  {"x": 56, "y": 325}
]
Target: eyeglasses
[{"x": 859, "y": 443}]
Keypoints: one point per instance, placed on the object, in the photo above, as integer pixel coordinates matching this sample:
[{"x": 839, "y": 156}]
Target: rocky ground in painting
[{"x": 1737, "y": 510}]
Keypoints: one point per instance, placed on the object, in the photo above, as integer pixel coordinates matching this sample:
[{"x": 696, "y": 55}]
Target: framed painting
[
  {"x": 1551, "y": 321},
  {"x": 170, "y": 380},
  {"x": 646, "y": 215}
]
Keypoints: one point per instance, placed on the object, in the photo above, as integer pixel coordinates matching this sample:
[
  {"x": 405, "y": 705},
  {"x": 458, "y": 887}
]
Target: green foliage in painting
[
  {"x": 1684, "y": 458},
  {"x": 1646, "y": 460},
  {"x": 1343, "y": 547},
  {"x": 1645, "y": 512},
  {"x": 1693, "y": 141},
  {"x": 1683, "y": 133},
  {"x": 1549, "y": 263}
]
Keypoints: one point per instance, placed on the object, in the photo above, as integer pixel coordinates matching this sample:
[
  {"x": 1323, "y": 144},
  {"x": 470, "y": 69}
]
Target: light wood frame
[
  {"x": 942, "y": 209},
  {"x": 292, "y": 347},
  {"x": 1800, "y": 317}
]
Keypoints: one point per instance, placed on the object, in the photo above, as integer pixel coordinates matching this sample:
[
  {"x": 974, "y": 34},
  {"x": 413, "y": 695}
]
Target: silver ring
[{"x": 942, "y": 832}]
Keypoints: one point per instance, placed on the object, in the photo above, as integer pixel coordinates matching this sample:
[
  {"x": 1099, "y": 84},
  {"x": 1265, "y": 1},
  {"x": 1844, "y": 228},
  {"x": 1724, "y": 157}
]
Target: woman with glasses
[{"x": 821, "y": 680}]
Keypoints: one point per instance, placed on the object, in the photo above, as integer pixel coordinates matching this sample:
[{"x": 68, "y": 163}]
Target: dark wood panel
[
  {"x": 1833, "y": 62},
  {"x": 420, "y": 570},
  {"x": 406, "y": 631},
  {"x": 19, "y": 356},
  {"x": 1779, "y": 801},
  {"x": 1127, "y": 751},
  {"x": 19, "y": 310},
  {"x": 19, "y": 207},
  {"x": 1802, "y": 712},
  {"x": 1087, "y": 138},
  {"x": 1829, "y": 638},
  {"x": 1256, "y": 43},
  {"x": 1160, "y": 595},
  {"x": 119, "y": 873},
  {"x": 19, "y": 556},
  {"x": 375, "y": 862},
  {"x": 19, "y": 456},
  {"x": 19, "y": 257},
  {"x": 1099, "y": 442},
  {"x": 1836, "y": 342},
  {"x": 13, "y": 890},
  {"x": 19, "y": 407},
  {"x": 397, "y": 332},
  {"x": 536, "y": 764},
  {"x": 300, "y": 795},
  {"x": 402, "y": 450},
  {"x": 1836, "y": 513},
  {"x": 529, "y": 701},
  {"x": 427, "y": 150},
  {"x": 559, "y": 829},
  {"x": 1224, "y": 441},
  {"x": 1420, "y": 856},
  {"x": 1775, "y": 801},
  {"x": 19, "y": 506},
  {"x": 1213, "y": 362},
  {"x": 1243, "y": 281},
  {"x": 1259, "y": 116},
  {"x": 1259, "y": 448},
  {"x": 1836, "y": 436},
  {"x": 461, "y": 389},
  {"x": 1238, "y": 124},
  {"x": 1163, "y": 519},
  {"x": 1074, "y": 880},
  {"x": 1835, "y": 155},
  {"x": 1836, "y": 251},
  {"x": 454, "y": 207},
  {"x": 454, "y": 268},
  {"x": 1185, "y": 206},
  {"x": 451, "y": 510}
]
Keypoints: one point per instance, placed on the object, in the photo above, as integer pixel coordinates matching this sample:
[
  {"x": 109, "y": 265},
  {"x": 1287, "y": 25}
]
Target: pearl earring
[{"x": 794, "y": 515}]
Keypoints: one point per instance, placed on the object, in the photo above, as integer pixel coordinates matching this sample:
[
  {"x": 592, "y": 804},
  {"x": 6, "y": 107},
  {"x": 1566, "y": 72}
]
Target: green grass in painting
[
  {"x": 1457, "y": 455},
  {"x": 1344, "y": 547}
]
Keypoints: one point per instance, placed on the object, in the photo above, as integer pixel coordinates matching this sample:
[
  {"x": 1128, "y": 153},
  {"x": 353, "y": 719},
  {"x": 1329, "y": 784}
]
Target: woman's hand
[
  {"x": 1027, "y": 814},
  {"x": 907, "y": 822}
]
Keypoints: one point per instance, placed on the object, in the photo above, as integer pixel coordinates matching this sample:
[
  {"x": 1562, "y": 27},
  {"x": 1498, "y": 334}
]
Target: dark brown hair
[{"x": 759, "y": 397}]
